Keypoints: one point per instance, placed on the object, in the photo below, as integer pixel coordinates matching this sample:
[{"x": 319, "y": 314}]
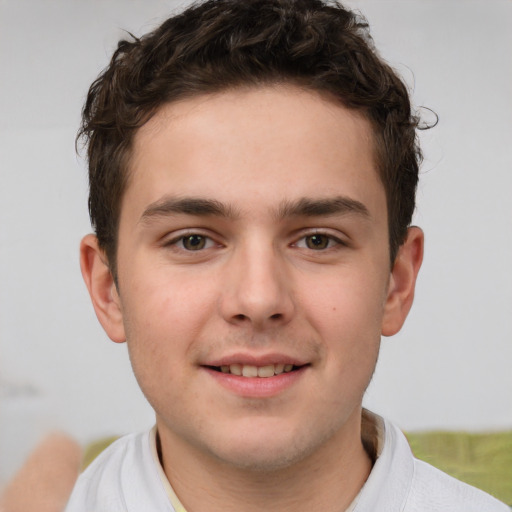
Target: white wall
[{"x": 451, "y": 365}]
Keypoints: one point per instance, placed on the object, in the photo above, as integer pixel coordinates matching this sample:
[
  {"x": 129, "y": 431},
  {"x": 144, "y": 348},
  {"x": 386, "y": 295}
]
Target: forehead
[{"x": 269, "y": 143}]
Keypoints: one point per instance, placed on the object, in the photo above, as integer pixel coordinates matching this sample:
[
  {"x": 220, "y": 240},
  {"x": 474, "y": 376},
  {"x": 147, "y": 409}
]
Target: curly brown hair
[{"x": 220, "y": 44}]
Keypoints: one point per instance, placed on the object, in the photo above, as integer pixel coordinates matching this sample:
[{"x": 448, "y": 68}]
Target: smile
[
  {"x": 248, "y": 370},
  {"x": 262, "y": 380}
]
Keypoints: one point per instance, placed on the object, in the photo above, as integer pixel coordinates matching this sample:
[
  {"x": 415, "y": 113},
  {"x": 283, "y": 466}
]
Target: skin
[
  {"x": 45, "y": 480},
  {"x": 279, "y": 253}
]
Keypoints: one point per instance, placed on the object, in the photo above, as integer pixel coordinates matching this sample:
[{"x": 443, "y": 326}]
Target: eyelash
[
  {"x": 302, "y": 243},
  {"x": 188, "y": 236},
  {"x": 331, "y": 240}
]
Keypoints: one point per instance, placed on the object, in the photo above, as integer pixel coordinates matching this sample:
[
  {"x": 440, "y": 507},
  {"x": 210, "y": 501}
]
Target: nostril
[{"x": 276, "y": 316}]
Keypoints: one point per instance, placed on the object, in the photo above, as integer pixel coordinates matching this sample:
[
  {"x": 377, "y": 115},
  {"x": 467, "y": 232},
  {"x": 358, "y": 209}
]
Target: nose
[{"x": 257, "y": 289}]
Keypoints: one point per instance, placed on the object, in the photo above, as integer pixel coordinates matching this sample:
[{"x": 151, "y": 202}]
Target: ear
[
  {"x": 402, "y": 282},
  {"x": 102, "y": 288}
]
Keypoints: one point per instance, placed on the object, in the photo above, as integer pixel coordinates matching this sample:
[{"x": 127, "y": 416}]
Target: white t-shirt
[{"x": 128, "y": 477}]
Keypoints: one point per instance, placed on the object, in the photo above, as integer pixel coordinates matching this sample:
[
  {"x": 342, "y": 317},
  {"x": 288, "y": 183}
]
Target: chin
[
  {"x": 267, "y": 453},
  {"x": 263, "y": 461}
]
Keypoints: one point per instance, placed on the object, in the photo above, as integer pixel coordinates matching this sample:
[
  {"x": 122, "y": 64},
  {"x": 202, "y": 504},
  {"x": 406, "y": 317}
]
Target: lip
[
  {"x": 255, "y": 360},
  {"x": 256, "y": 387}
]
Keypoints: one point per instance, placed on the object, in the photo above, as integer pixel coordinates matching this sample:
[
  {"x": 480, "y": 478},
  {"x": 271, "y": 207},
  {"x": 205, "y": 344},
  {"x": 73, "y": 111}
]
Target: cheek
[
  {"x": 348, "y": 305},
  {"x": 163, "y": 317},
  {"x": 164, "y": 299},
  {"x": 347, "y": 316},
  {"x": 156, "y": 351}
]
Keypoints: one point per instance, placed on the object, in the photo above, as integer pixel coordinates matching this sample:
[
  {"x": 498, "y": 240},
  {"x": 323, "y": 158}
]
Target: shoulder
[
  {"x": 399, "y": 481},
  {"x": 431, "y": 489},
  {"x": 121, "y": 479}
]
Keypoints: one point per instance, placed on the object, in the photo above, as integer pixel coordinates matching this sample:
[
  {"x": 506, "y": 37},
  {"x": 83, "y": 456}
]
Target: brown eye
[
  {"x": 194, "y": 242},
  {"x": 317, "y": 242}
]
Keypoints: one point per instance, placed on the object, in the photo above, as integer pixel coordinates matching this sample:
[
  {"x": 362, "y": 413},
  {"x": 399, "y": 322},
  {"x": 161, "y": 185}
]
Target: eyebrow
[
  {"x": 308, "y": 207},
  {"x": 303, "y": 207},
  {"x": 187, "y": 206}
]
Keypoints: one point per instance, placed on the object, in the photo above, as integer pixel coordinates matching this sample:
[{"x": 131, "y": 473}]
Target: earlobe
[
  {"x": 402, "y": 282},
  {"x": 102, "y": 289}
]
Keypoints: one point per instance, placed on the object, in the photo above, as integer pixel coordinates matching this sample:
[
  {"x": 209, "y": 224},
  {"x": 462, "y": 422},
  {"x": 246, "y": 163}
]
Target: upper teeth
[{"x": 247, "y": 370}]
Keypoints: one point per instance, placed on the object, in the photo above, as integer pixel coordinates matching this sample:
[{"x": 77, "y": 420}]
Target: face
[{"x": 254, "y": 278}]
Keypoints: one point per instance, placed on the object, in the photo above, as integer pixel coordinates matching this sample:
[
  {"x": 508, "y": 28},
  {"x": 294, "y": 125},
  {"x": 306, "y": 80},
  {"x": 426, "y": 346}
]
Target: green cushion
[{"x": 482, "y": 460}]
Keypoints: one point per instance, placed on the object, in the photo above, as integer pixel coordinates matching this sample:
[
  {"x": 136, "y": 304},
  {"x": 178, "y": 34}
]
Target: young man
[{"x": 253, "y": 168}]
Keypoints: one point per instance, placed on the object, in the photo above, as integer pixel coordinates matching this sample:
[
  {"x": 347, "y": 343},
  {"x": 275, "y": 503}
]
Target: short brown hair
[{"x": 220, "y": 44}]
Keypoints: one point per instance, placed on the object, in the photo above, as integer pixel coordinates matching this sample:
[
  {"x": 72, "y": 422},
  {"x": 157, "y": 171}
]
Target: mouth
[{"x": 251, "y": 371}]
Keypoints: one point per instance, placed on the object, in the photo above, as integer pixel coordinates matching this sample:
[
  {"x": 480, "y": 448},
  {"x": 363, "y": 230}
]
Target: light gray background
[{"x": 450, "y": 367}]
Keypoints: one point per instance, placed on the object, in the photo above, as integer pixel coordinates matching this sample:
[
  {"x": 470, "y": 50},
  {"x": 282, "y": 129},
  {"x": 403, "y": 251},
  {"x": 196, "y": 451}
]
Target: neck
[{"x": 329, "y": 479}]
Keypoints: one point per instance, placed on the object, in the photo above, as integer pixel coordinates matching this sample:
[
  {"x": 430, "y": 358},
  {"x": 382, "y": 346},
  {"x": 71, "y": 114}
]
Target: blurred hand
[{"x": 45, "y": 481}]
